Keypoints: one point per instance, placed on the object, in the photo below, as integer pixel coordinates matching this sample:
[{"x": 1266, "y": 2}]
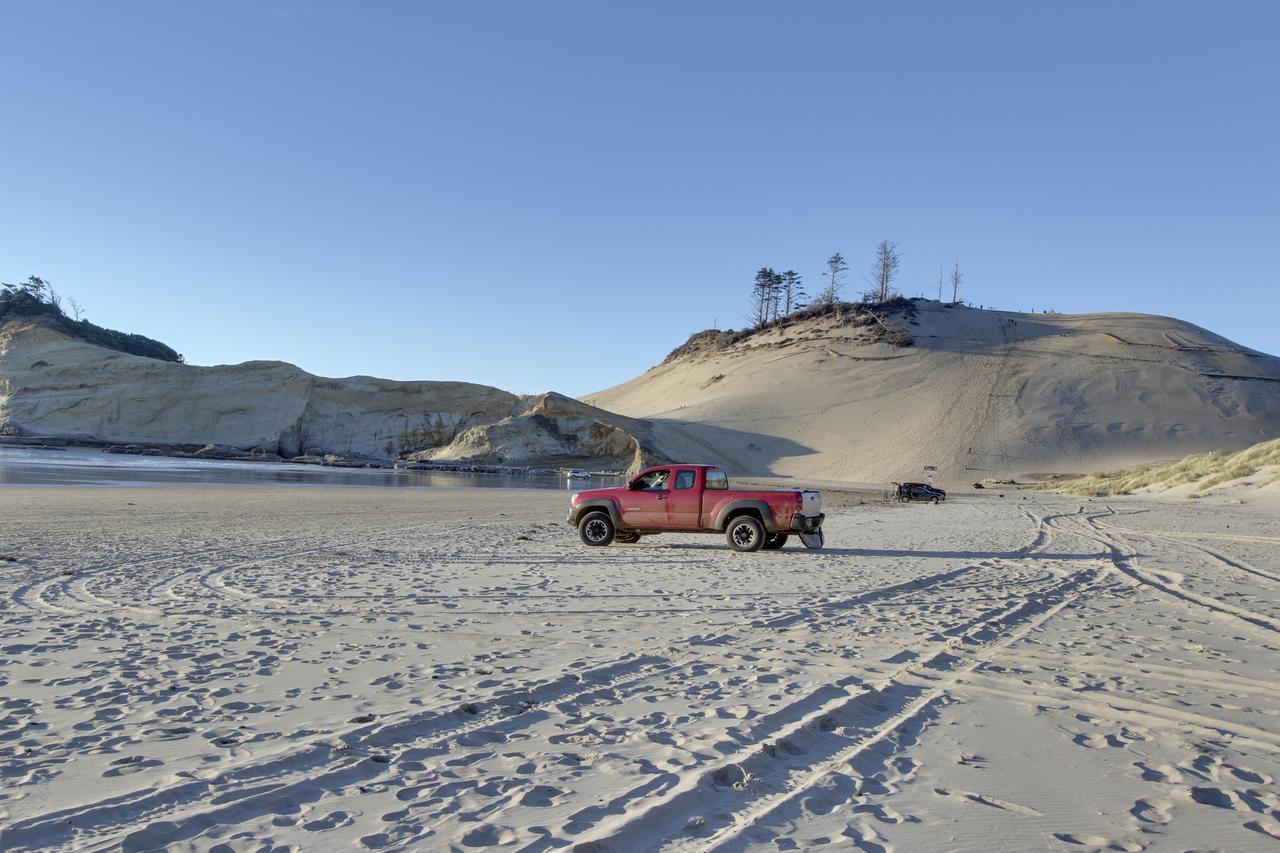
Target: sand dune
[
  {"x": 979, "y": 394},
  {"x": 450, "y": 669}
]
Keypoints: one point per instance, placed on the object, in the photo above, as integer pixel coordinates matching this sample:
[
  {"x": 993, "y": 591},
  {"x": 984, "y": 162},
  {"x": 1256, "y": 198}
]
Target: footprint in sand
[
  {"x": 1265, "y": 826},
  {"x": 1098, "y": 841},
  {"x": 866, "y": 838},
  {"x": 1251, "y": 776},
  {"x": 906, "y": 767},
  {"x": 736, "y": 712},
  {"x": 817, "y": 806},
  {"x": 488, "y": 835},
  {"x": 1210, "y": 796},
  {"x": 665, "y": 738},
  {"x": 479, "y": 738},
  {"x": 132, "y": 764},
  {"x": 1156, "y": 811},
  {"x": 1158, "y": 772},
  {"x": 1101, "y": 741},
  {"x": 542, "y": 796},
  {"x": 886, "y": 814},
  {"x": 782, "y": 749}
]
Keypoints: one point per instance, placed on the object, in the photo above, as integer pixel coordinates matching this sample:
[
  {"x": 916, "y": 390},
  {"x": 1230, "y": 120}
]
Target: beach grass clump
[{"x": 1205, "y": 470}]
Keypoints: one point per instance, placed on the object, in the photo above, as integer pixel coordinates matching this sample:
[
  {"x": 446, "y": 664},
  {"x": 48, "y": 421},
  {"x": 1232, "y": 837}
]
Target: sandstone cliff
[{"x": 54, "y": 385}]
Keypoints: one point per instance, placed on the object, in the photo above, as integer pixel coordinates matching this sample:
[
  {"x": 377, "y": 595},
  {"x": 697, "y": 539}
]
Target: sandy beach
[{"x": 247, "y": 668}]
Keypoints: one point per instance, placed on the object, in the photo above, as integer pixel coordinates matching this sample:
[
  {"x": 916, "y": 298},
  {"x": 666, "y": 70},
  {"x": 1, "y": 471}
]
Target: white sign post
[{"x": 929, "y": 471}]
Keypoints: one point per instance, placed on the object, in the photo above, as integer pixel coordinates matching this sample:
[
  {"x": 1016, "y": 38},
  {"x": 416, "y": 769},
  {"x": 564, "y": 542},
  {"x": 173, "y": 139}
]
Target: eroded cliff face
[
  {"x": 55, "y": 385},
  {"x": 554, "y": 429}
]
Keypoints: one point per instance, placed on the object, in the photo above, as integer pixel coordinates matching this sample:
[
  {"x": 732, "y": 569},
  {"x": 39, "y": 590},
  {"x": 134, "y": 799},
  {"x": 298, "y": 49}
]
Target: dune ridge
[{"x": 979, "y": 394}]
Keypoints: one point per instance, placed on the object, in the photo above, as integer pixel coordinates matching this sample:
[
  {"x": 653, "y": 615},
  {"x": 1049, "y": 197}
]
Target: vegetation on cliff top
[
  {"x": 888, "y": 319},
  {"x": 35, "y": 297}
]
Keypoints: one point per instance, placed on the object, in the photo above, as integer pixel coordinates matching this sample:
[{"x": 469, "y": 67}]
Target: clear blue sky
[{"x": 553, "y": 195}]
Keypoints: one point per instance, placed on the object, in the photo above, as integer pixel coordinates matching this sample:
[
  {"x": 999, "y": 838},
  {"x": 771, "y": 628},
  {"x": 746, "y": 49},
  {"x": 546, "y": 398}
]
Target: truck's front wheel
[
  {"x": 596, "y": 529},
  {"x": 745, "y": 534}
]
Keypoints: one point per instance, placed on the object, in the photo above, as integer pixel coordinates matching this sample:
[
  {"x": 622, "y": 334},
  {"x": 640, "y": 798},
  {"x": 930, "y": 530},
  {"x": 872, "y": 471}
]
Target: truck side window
[
  {"x": 717, "y": 480},
  {"x": 685, "y": 479},
  {"x": 655, "y": 480}
]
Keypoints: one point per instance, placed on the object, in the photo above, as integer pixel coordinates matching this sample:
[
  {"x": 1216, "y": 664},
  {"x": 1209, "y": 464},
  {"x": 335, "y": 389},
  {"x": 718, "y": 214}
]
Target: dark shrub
[{"x": 27, "y": 301}]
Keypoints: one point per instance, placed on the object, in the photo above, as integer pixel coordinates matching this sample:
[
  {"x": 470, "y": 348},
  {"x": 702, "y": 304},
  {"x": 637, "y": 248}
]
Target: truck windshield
[{"x": 717, "y": 479}]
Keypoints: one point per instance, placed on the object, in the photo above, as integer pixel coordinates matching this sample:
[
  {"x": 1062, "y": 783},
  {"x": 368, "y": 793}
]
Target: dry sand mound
[{"x": 978, "y": 393}]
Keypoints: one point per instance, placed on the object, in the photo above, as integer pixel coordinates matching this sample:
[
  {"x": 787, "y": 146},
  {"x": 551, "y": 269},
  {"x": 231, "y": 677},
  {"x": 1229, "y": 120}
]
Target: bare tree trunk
[{"x": 884, "y": 270}]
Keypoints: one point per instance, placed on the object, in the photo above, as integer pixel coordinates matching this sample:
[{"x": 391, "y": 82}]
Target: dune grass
[{"x": 1205, "y": 470}]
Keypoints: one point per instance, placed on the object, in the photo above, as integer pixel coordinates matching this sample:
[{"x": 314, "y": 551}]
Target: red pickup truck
[{"x": 696, "y": 499}]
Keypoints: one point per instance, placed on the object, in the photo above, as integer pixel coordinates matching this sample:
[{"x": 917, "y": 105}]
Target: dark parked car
[{"x": 919, "y": 492}]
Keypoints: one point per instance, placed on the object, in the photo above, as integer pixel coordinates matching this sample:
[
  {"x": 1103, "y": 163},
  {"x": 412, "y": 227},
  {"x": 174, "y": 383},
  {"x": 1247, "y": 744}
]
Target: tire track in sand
[
  {"x": 1181, "y": 542},
  {"x": 1126, "y": 563},
  {"x": 726, "y": 797}
]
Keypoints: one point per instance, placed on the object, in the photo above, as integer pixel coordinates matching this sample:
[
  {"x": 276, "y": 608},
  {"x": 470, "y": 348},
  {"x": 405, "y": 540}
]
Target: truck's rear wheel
[
  {"x": 596, "y": 529},
  {"x": 774, "y": 541},
  {"x": 745, "y": 533}
]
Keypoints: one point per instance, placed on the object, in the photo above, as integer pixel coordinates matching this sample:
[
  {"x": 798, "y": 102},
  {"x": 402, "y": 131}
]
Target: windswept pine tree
[
  {"x": 883, "y": 271},
  {"x": 763, "y": 297},
  {"x": 793, "y": 295},
  {"x": 836, "y": 269}
]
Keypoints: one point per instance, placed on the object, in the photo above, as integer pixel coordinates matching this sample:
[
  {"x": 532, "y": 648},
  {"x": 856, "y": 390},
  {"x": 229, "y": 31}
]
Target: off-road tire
[
  {"x": 596, "y": 529},
  {"x": 934, "y": 501},
  {"x": 745, "y": 533},
  {"x": 774, "y": 541}
]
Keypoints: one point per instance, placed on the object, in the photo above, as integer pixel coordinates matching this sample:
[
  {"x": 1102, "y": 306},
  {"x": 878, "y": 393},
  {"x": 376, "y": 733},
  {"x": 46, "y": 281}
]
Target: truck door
[
  {"x": 645, "y": 504},
  {"x": 684, "y": 506}
]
